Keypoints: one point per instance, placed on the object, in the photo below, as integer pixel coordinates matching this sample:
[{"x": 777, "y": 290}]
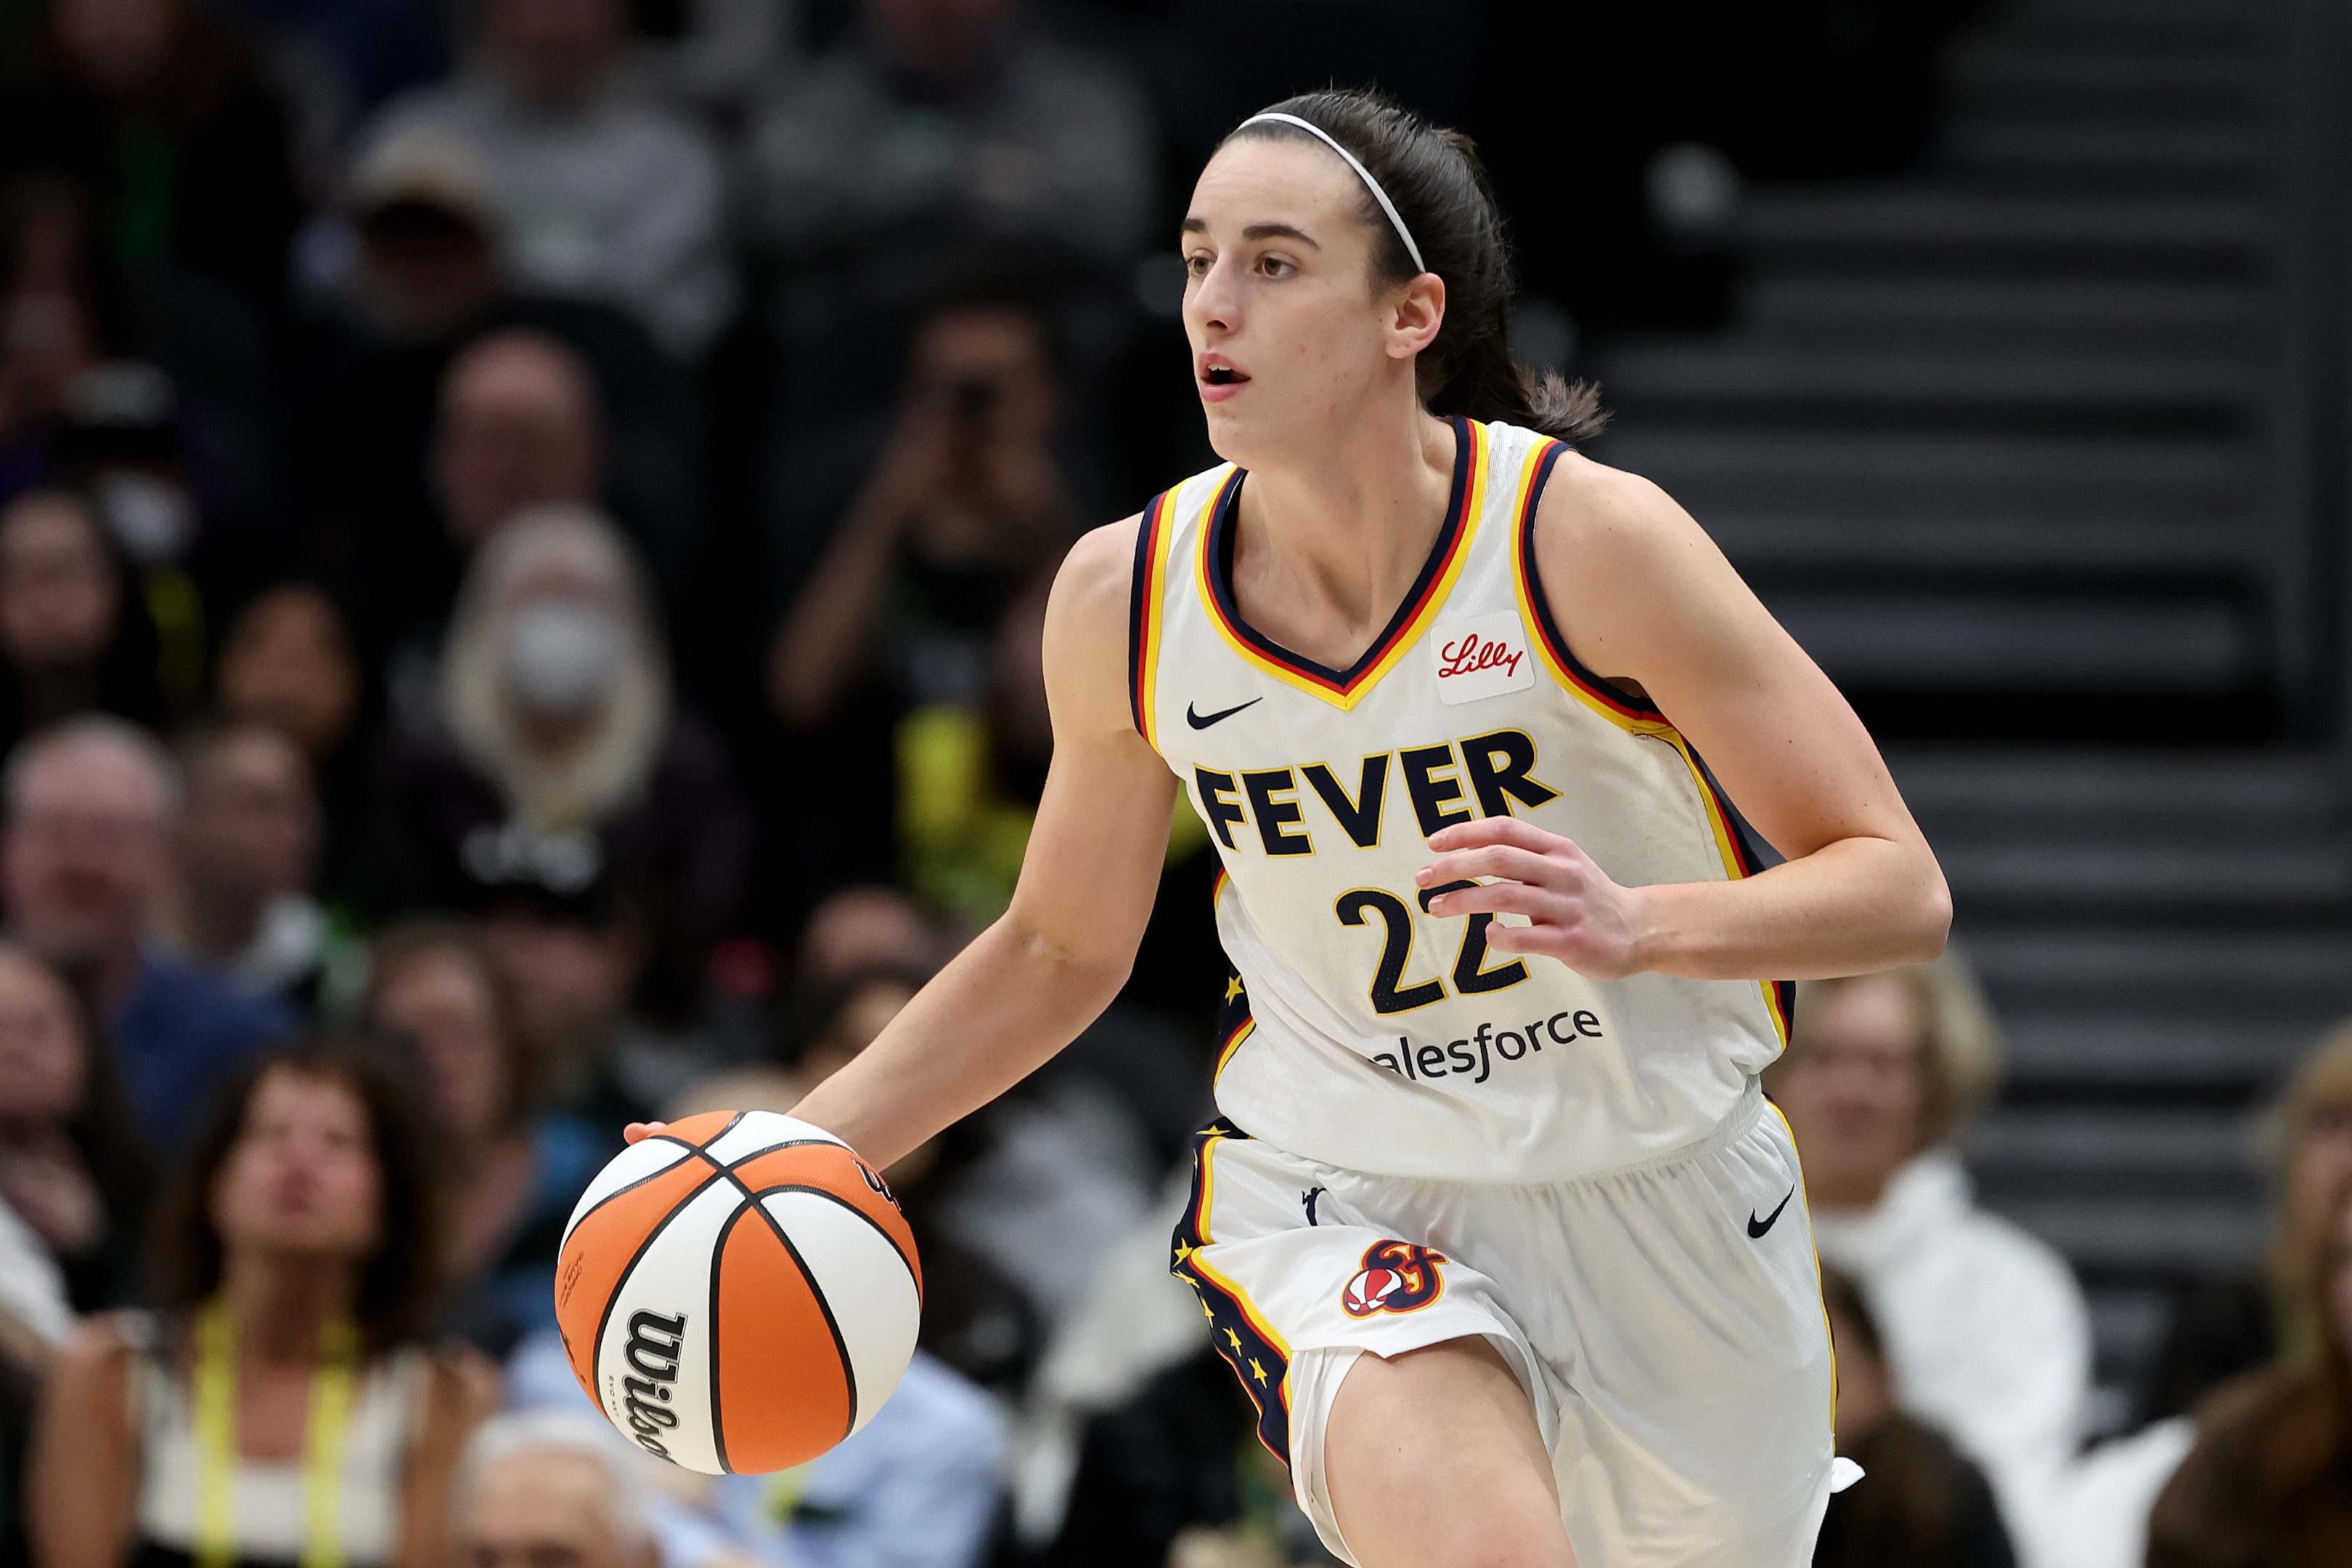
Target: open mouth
[{"x": 1223, "y": 375}]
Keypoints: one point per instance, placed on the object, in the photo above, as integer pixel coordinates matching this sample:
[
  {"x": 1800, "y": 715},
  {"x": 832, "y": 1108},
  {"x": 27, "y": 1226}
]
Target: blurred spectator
[
  {"x": 2269, "y": 1484},
  {"x": 298, "y": 1256},
  {"x": 71, "y": 1168},
  {"x": 550, "y": 1491},
  {"x": 2231, "y": 1324},
  {"x": 511, "y": 1171},
  {"x": 940, "y": 140},
  {"x": 913, "y": 649},
  {"x": 516, "y": 424},
  {"x": 74, "y": 636},
  {"x": 151, "y": 391},
  {"x": 1918, "y": 1502},
  {"x": 561, "y": 767},
  {"x": 1984, "y": 1326},
  {"x": 519, "y": 427},
  {"x": 56, "y": 316},
  {"x": 85, "y": 866},
  {"x": 860, "y": 930},
  {"x": 35, "y": 1311},
  {"x": 572, "y": 965},
  {"x": 287, "y": 661},
  {"x": 600, "y": 196},
  {"x": 157, "y": 107},
  {"x": 424, "y": 265},
  {"x": 248, "y": 847},
  {"x": 714, "y": 56}
]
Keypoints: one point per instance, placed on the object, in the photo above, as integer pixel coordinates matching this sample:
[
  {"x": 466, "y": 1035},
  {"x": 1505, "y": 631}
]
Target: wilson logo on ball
[
  {"x": 1397, "y": 1277},
  {"x": 654, "y": 1343}
]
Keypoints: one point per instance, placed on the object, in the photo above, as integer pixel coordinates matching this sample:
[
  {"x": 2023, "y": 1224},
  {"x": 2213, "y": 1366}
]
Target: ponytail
[{"x": 1442, "y": 196}]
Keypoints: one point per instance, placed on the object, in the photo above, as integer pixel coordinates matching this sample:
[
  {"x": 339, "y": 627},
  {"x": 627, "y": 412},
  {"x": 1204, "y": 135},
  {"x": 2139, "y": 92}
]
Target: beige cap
[{"x": 429, "y": 168}]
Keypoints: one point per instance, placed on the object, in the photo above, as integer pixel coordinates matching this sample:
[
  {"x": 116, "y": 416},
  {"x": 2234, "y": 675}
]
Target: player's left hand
[{"x": 1576, "y": 914}]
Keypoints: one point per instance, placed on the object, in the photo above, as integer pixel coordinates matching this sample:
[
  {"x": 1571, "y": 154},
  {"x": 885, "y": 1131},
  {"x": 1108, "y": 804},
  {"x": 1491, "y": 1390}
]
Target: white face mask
[{"x": 561, "y": 659}]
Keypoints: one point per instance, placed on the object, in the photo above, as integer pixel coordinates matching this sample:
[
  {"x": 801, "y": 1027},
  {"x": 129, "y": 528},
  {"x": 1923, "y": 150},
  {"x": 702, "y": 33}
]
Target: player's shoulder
[
  {"x": 1097, "y": 574},
  {"x": 1589, "y": 504},
  {"x": 1087, "y": 617}
]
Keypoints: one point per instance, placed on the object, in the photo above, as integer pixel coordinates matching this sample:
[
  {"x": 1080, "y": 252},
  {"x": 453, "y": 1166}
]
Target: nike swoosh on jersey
[
  {"x": 1756, "y": 1227},
  {"x": 1202, "y": 721}
]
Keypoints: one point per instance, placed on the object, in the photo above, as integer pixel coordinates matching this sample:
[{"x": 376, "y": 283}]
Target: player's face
[{"x": 1289, "y": 330}]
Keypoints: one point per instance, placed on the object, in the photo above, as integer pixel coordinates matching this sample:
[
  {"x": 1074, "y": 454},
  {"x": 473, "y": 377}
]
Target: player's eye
[
  {"x": 1197, "y": 264},
  {"x": 1276, "y": 266}
]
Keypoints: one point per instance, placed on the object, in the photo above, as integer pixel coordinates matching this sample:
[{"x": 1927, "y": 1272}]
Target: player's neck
[{"x": 1351, "y": 522}]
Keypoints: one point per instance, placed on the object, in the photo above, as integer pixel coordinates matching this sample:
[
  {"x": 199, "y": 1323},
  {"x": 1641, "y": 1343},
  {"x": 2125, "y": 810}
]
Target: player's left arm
[{"x": 1644, "y": 596}]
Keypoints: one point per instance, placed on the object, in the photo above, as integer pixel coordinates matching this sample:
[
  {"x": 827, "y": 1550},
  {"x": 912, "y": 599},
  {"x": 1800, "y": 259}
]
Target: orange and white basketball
[{"x": 738, "y": 1292}]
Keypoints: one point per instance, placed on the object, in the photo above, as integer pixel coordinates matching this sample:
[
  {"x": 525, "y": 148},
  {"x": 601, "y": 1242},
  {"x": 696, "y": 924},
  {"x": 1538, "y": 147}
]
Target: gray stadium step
[
  {"x": 1928, "y": 229},
  {"x": 1937, "y": 546},
  {"x": 2060, "y": 873},
  {"x": 2301, "y": 970},
  {"x": 1959, "y": 640},
  {"x": 1827, "y": 311},
  {"x": 2041, "y": 477},
  {"x": 2160, "y": 158},
  {"x": 2136, "y": 790},
  {"x": 1947, "y": 389},
  {"x": 2224, "y": 1056}
]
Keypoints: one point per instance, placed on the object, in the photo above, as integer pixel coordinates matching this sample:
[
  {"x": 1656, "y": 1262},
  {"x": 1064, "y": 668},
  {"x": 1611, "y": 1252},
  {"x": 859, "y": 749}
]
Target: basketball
[{"x": 739, "y": 1292}]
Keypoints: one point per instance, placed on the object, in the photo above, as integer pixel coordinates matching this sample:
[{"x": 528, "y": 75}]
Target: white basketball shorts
[{"x": 1665, "y": 1320}]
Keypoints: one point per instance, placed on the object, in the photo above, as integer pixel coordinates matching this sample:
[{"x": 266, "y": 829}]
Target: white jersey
[{"x": 1363, "y": 1032}]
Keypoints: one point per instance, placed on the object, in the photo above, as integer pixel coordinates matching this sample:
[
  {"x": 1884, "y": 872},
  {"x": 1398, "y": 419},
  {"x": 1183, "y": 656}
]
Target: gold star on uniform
[
  {"x": 1234, "y": 1337},
  {"x": 1234, "y": 989},
  {"x": 1257, "y": 1372},
  {"x": 1184, "y": 1250}
]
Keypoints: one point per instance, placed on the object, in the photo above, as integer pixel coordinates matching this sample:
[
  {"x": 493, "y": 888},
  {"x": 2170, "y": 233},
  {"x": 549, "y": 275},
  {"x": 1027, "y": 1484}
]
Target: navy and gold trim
[
  {"x": 1259, "y": 1356},
  {"x": 1344, "y": 687},
  {"x": 1144, "y": 612},
  {"x": 1629, "y": 712}
]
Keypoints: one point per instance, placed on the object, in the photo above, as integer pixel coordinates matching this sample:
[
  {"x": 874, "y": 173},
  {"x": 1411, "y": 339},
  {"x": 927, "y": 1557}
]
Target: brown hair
[
  {"x": 1433, "y": 176},
  {"x": 400, "y": 1284},
  {"x": 404, "y": 941}
]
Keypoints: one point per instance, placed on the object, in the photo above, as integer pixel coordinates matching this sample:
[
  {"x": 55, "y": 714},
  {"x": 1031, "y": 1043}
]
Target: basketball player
[{"x": 1496, "y": 1228}]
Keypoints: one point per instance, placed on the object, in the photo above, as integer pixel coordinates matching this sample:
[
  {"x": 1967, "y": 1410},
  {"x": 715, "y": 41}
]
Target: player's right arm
[{"x": 1026, "y": 988}]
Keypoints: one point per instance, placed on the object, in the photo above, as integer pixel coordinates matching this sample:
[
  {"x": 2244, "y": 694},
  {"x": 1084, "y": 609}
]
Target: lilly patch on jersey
[
  {"x": 1485, "y": 656},
  {"x": 1397, "y": 1277}
]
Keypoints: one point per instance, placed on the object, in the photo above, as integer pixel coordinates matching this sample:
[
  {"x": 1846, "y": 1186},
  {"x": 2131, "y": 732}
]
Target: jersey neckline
[{"x": 1446, "y": 554}]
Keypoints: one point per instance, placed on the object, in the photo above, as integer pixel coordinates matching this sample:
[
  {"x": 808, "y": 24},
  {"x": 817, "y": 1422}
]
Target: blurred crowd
[{"x": 523, "y": 531}]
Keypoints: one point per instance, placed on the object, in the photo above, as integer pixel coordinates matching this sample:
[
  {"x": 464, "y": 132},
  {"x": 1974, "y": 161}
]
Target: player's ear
[{"x": 1416, "y": 310}]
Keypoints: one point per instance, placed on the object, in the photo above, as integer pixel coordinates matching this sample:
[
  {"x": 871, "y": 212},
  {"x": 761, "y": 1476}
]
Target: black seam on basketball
[
  {"x": 737, "y": 1160},
  {"x": 632, "y": 1186},
  {"x": 710, "y": 1338},
  {"x": 604, "y": 1313},
  {"x": 816, "y": 1294},
  {"x": 879, "y": 1229}
]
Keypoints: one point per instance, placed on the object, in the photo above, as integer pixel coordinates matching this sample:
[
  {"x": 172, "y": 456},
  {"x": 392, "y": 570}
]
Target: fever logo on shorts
[{"x": 1397, "y": 1277}]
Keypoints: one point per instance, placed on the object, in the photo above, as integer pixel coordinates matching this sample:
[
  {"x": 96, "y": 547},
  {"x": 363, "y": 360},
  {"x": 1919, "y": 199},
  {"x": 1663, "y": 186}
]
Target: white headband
[{"x": 1362, "y": 173}]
